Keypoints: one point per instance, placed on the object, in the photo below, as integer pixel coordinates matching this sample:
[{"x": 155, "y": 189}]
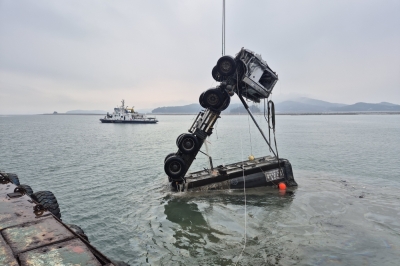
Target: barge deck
[{"x": 32, "y": 235}]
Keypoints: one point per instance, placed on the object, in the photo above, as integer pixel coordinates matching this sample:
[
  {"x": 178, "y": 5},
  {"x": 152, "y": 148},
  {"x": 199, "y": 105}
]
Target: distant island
[
  {"x": 300, "y": 105},
  {"x": 295, "y": 106},
  {"x": 194, "y": 108},
  {"x": 79, "y": 112},
  {"x": 185, "y": 109},
  {"x": 97, "y": 112}
]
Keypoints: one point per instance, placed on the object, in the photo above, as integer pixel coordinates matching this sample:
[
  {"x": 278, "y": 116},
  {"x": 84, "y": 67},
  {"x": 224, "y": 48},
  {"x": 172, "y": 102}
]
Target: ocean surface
[{"x": 109, "y": 179}]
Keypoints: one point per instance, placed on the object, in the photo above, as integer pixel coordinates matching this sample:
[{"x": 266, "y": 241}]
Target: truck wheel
[
  {"x": 178, "y": 139},
  {"x": 48, "y": 200},
  {"x": 174, "y": 167},
  {"x": 226, "y": 65},
  {"x": 27, "y": 189},
  {"x": 201, "y": 100},
  {"x": 217, "y": 75},
  {"x": 188, "y": 144},
  {"x": 213, "y": 98},
  {"x": 169, "y": 155}
]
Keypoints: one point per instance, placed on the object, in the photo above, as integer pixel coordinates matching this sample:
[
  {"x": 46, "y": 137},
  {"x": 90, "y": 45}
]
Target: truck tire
[
  {"x": 169, "y": 155},
  {"x": 201, "y": 100},
  {"x": 213, "y": 98},
  {"x": 175, "y": 167},
  {"x": 49, "y": 201},
  {"x": 179, "y": 138},
  {"x": 226, "y": 65},
  {"x": 217, "y": 75},
  {"x": 188, "y": 144}
]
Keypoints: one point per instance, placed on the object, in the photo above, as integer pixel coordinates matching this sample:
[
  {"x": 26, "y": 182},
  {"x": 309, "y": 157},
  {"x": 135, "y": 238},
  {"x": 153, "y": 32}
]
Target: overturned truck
[{"x": 250, "y": 77}]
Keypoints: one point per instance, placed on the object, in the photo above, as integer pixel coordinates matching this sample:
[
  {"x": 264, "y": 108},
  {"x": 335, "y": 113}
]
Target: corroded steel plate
[
  {"x": 36, "y": 234},
  {"x": 6, "y": 255},
  {"x": 72, "y": 252},
  {"x": 14, "y": 211}
]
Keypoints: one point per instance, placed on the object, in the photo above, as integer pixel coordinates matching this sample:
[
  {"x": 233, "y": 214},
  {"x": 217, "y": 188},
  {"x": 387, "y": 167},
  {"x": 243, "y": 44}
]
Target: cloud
[{"x": 67, "y": 55}]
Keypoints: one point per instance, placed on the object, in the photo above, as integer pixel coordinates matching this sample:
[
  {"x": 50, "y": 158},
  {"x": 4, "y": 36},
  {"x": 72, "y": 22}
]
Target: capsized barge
[{"x": 258, "y": 172}]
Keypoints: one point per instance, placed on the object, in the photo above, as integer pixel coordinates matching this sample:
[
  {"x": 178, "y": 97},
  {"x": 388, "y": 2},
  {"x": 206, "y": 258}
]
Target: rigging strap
[{"x": 255, "y": 122}]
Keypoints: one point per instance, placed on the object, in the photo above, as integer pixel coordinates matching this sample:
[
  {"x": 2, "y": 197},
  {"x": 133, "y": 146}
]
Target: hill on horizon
[
  {"x": 86, "y": 112},
  {"x": 193, "y": 108},
  {"x": 297, "y": 105}
]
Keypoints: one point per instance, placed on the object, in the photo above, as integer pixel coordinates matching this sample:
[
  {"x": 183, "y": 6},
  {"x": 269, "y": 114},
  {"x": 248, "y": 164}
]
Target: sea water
[{"x": 109, "y": 179}]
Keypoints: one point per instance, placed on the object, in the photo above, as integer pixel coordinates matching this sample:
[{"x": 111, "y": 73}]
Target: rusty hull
[{"x": 38, "y": 238}]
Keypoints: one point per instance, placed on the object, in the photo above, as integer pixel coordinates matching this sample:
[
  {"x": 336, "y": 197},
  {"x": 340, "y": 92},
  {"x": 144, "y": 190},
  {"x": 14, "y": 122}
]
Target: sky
[{"x": 88, "y": 55}]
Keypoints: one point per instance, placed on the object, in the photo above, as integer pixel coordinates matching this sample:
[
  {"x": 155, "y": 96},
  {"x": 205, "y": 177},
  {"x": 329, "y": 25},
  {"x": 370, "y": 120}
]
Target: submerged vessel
[
  {"x": 257, "y": 172},
  {"x": 125, "y": 115}
]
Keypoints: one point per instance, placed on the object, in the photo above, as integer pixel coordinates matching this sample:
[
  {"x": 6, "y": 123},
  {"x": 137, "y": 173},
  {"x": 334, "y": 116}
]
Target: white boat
[{"x": 125, "y": 115}]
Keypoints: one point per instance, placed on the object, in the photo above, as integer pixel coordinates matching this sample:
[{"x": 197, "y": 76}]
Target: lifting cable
[
  {"x": 271, "y": 123},
  {"x": 223, "y": 27},
  {"x": 269, "y": 127},
  {"x": 251, "y": 145},
  {"x": 271, "y": 111},
  {"x": 241, "y": 144},
  {"x": 245, "y": 203},
  {"x": 270, "y": 118},
  {"x": 255, "y": 122}
]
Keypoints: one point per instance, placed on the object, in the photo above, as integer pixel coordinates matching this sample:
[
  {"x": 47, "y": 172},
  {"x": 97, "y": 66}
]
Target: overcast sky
[{"x": 66, "y": 55}]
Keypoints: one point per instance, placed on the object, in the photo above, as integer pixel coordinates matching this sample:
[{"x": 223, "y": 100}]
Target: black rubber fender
[
  {"x": 28, "y": 190},
  {"x": 78, "y": 230},
  {"x": 14, "y": 179},
  {"x": 48, "y": 200}
]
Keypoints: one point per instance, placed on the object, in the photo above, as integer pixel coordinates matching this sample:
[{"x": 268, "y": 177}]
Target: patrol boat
[{"x": 123, "y": 114}]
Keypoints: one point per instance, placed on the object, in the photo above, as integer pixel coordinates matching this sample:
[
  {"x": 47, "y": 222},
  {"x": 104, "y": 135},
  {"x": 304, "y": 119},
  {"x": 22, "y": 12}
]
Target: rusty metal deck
[{"x": 39, "y": 238}]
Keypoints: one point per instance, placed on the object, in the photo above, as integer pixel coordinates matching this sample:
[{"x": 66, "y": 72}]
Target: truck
[{"x": 250, "y": 77}]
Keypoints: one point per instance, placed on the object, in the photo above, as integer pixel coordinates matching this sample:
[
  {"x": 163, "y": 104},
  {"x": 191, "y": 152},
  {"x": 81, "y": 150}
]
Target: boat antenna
[{"x": 223, "y": 27}]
